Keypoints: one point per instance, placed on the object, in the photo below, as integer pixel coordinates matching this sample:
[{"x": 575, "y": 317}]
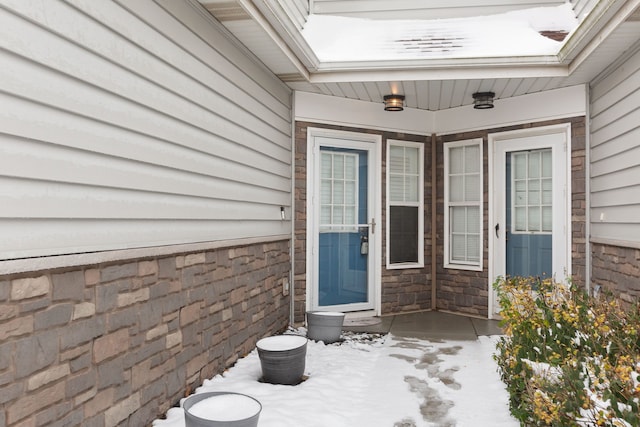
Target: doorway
[
  {"x": 530, "y": 205},
  {"x": 342, "y": 206}
]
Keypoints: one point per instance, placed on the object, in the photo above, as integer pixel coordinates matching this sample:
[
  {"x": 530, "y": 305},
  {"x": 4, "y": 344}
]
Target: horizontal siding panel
[
  {"x": 607, "y": 90},
  {"x": 621, "y": 178},
  {"x": 621, "y": 196},
  {"x": 623, "y": 143},
  {"x": 134, "y": 89},
  {"x": 623, "y": 106},
  {"x": 620, "y": 232},
  {"x": 40, "y": 128},
  {"x": 31, "y": 160},
  {"x": 46, "y": 199},
  {"x": 197, "y": 36},
  {"x": 125, "y": 126},
  {"x": 35, "y": 237},
  {"x": 627, "y": 160},
  {"x": 611, "y": 131}
]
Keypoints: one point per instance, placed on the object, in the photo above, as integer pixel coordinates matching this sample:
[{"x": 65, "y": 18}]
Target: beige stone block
[
  {"x": 196, "y": 364},
  {"x": 48, "y": 376},
  {"x": 189, "y": 314},
  {"x": 99, "y": 403},
  {"x": 110, "y": 345},
  {"x": 92, "y": 276},
  {"x": 16, "y": 327},
  {"x": 193, "y": 259},
  {"x": 30, "y": 287},
  {"x": 34, "y": 402},
  {"x": 180, "y": 261},
  {"x": 147, "y": 268},
  {"x": 216, "y": 307},
  {"x": 174, "y": 339},
  {"x": 83, "y": 309},
  {"x": 121, "y": 410},
  {"x": 83, "y": 397},
  {"x": 227, "y": 314},
  {"x": 8, "y": 311},
  {"x": 156, "y": 332},
  {"x": 130, "y": 298}
]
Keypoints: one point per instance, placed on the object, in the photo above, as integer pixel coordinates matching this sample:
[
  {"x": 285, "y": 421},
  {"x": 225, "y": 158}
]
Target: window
[
  {"x": 405, "y": 204},
  {"x": 463, "y": 204},
  {"x": 532, "y": 192},
  {"x": 338, "y": 191}
]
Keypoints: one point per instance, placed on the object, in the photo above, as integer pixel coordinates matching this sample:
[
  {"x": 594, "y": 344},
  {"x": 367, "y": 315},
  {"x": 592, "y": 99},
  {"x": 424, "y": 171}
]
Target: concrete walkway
[{"x": 429, "y": 325}]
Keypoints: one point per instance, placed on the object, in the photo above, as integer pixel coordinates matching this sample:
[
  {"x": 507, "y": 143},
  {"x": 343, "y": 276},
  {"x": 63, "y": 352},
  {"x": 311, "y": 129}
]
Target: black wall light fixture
[
  {"x": 393, "y": 102},
  {"x": 483, "y": 100}
]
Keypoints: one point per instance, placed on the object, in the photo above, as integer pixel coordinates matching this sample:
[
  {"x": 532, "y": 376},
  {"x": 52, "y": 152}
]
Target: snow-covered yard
[{"x": 376, "y": 380}]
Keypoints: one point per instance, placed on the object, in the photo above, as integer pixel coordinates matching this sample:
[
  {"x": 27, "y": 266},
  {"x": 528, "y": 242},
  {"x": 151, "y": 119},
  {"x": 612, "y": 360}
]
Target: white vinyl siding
[
  {"x": 463, "y": 204},
  {"x": 405, "y": 204},
  {"x": 615, "y": 154},
  {"x": 132, "y": 124}
]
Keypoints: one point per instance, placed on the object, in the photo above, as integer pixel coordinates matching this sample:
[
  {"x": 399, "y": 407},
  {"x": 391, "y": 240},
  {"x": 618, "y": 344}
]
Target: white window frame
[
  {"x": 448, "y": 262},
  {"x": 419, "y": 205}
]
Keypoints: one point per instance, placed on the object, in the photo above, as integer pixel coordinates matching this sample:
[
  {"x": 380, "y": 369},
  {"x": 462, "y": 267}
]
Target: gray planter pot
[
  {"x": 282, "y": 358},
  {"x": 221, "y": 409},
  {"x": 325, "y": 326}
]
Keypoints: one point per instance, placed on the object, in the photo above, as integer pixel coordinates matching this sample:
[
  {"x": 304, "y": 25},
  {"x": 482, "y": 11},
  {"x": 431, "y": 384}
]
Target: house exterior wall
[
  {"x": 402, "y": 290},
  {"x": 133, "y": 124},
  {"x": 145, "y": 159},
  {"x": 468, "y": 292},
  {"x": 614, "y": 160},
  {"x": 120, "y": 343}
]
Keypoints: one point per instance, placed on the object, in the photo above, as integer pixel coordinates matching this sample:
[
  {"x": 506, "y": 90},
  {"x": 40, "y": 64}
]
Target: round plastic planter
[
  {"x": 282, "y": 358},
  {"x": 221, "y": 409},
  {"x": 325, "y": 326}
]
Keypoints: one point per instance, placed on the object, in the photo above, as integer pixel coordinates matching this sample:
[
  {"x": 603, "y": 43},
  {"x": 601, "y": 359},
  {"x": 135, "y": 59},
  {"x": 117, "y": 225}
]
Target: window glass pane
[
  {"x": 534, "y": 197},
  {"x": 325, "y": 191},
  {"x": 411, "y": 189},
  {"x": 473, "y": 247},
  {"x": 520, "y": 198},
  {"x": 325, "y": 215},
  {"x": 534, "y": 218},
  {"x": 534, "y": 185},
  {"x": 350, "y": 193},
  {"x": 411, "y": 156},
  {"x": 396, "y": 188},
  {"x": 472, "y": 159},
  {"x": 520, "y": 219},
  {"x": 396, "y": 159},
  {"x": 350, "y": 215},
  {"x": 458, "y": 247},
  {"x": 473, "y": 219},
  {"x": 547, "y": 218},
  {"x": 456, "y": 186},
  {"x": 456, "y": 160},
  {"x": 458, "y": 219},
  {"x": 403, "y": 234},
  {"x": 350, "y": 167},
  {"x": 325, "y": 165},
  {"x": 338, "y": 167},
  {"x": 547, "y": 192},
  {"x": 337, "y": 215},
  {"x": 546, "y": 164},
  {"x": 519, "y": 162},
  {"x": 534, "y": 165},
  {"x": 338, "y": 192},
  {"x": 472, "y": 188}
]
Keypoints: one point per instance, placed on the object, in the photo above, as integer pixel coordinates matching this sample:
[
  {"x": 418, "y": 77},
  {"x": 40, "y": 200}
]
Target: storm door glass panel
[
  {"x": 529, "y": 213},
  {"x": 343, "y": 239}
]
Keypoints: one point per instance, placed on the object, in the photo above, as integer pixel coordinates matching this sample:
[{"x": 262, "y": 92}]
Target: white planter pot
[
  {"x": 221, "y": 409},
  {"x": 325, "y": 326}
]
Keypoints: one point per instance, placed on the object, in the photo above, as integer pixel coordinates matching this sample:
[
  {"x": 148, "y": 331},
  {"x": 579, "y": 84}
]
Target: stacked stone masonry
[
  {"x": 616, "y": 269},
  {"x": 118, "y": 344}
]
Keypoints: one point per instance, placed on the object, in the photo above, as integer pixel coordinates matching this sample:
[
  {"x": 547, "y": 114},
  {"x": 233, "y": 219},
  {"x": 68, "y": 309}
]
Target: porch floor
[{"x": 429, "y": 325}]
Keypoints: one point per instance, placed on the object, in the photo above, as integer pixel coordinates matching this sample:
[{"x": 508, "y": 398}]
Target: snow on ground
[{"x": 373, "y": 380}]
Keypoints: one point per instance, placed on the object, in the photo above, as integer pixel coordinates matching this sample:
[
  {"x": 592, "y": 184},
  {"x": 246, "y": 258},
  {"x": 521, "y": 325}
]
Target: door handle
[
  {"x": 497, "y": 230},
  {"x": 373, "y": 225}
]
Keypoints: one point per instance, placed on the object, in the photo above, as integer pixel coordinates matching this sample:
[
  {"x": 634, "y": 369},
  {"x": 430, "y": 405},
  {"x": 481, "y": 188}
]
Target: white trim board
[{"x": 548, "y": 105}]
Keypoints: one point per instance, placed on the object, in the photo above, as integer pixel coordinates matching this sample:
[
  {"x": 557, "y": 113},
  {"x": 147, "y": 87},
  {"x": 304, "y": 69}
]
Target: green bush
[{"x": 568, "y": 359}]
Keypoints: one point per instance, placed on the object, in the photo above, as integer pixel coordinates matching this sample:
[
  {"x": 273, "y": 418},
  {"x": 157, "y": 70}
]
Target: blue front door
[
  {"x": 529, "y": 213},
  {"x": 343, "y": 232}
]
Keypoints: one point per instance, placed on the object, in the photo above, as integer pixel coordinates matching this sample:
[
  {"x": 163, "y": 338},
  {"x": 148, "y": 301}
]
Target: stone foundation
[
  {"x": 616, "y": 269},
  {"x": 119, "y": 344}
]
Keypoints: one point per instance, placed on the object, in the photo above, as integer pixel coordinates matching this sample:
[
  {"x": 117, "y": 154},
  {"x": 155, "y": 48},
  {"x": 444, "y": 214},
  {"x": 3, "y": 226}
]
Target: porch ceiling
[{"x": 272, "y": 31}]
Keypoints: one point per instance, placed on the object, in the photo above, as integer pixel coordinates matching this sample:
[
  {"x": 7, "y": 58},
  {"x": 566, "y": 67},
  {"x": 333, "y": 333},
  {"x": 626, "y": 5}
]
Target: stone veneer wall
[
  {"x": 468, "y": 291},
  {"x": 402, "y": 290},
  {"x": 120, "y": 343},
  {"x": 616, "y": 269}
]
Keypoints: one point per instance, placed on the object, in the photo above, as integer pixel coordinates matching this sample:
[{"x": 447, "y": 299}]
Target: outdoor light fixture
[
  {"x": 483, "y": 100},
  {"x": 393, "y": 102}
]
